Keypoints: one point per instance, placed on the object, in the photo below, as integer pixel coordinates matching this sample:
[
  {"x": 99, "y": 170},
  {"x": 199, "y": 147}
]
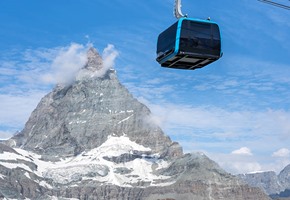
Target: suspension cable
[{"x": 276, "y": 4}]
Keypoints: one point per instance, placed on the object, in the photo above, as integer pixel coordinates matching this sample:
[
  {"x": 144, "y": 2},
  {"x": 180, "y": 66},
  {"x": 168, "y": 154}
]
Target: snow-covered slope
[
  {"x": 96, "y": 165},
  {"x": 118, "y": 169}
]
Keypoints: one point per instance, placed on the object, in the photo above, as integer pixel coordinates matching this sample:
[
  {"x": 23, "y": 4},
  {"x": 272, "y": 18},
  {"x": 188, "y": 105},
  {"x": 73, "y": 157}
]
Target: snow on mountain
[{"x": 95, "y": 165}]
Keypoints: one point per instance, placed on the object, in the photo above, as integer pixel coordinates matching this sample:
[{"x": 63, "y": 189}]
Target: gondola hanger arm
[{"x": 177, "y": 10}]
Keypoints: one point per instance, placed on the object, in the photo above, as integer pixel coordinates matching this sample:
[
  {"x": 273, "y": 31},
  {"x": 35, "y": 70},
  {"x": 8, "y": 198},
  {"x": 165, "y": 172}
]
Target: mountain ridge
[{"x": 270, "y": 182}]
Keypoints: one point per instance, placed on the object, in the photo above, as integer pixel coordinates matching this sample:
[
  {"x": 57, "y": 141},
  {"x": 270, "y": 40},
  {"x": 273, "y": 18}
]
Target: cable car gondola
[{"x": 189, "y": 43}]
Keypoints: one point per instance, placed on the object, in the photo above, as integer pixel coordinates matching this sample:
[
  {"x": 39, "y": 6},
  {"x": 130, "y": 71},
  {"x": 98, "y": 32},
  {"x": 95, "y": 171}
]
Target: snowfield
[{"x": 96, "y": 165}]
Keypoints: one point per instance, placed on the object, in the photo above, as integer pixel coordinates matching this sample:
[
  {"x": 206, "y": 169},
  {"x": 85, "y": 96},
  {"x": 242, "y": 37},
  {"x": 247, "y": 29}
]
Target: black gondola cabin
[{"x": 189, "y": 44}]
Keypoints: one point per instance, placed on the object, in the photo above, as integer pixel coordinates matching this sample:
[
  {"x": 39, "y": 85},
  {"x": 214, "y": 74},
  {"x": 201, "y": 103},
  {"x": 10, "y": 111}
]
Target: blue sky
[{"x": 236, "y": 110}]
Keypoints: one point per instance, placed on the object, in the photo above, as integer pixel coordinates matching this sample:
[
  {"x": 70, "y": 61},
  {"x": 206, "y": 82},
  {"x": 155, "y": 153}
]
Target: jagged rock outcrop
[
  {"x": 268, "y": 181},
  {"x": 93, "y": 140},
  {"x": 284, "y": 177},
  {"x": 274, "y": 185},
  {"x": 18, "y": 182}
]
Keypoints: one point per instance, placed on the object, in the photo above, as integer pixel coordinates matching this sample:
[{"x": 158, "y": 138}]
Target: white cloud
[
  {"x": 261, "y": 70},
  {"x": 43, "y": 67},
  {"x": 15, "y": 110},
  {"x": 215, "y": 130},
  {"x": 28, "y": 79},
  {"x": 4, "y": 135},
  {"x": 281, "y": 153},
  {"x": 237, "y": 163},
  {"x": 243, "y": 162},
  {"x": 279, "y": 159},
  {"x": 109, "y": 55},
  {"x": 222, "y": 122},
  {"x": 242, "y": 167},
  {"x": 108, "y": 61},
  {"x": 66, "y": 64},
  {"x": 243, "y": 151},
  {"x": 47, "y": 67}
]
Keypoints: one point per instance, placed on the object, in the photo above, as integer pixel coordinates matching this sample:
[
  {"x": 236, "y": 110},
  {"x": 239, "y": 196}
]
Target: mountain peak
[
  {"x": 79, "y": 117},
  {"x": 94, "y": 66},
  {"x": 95, "y": 61}
]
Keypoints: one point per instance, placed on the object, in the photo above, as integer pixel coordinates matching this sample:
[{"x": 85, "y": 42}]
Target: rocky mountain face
[
  {"x": 80, "y": 116},
  {"x": 93, "y": 140},
  {"x": 277, "y": 186}
]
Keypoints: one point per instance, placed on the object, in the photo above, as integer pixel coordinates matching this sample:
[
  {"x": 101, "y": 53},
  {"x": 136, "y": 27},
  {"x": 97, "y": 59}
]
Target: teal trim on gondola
[{"x": 177, "y": 39}]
